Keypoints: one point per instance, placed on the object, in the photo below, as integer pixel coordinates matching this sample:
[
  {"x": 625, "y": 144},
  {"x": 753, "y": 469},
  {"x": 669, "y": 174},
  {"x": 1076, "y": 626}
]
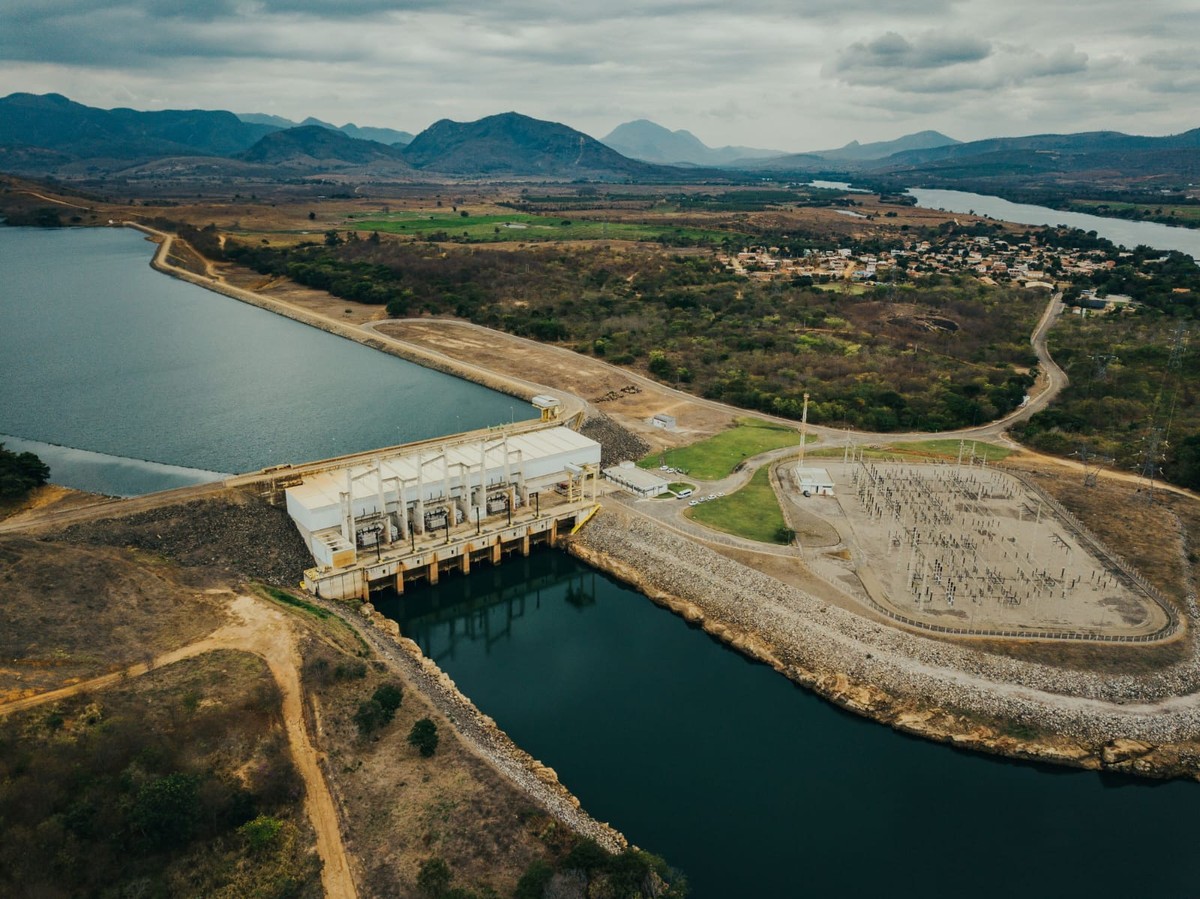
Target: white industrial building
[
  {"x": 813, "y": 481},
  {"x": 433, "y": 486},
  {"x": 636, "y": 480}
]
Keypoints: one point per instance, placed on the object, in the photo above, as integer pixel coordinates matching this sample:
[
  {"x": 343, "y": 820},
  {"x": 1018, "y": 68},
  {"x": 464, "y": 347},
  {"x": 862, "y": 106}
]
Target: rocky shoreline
[
  {"x": 537, "y": 781},
  {"x": 948, "y": 692}
]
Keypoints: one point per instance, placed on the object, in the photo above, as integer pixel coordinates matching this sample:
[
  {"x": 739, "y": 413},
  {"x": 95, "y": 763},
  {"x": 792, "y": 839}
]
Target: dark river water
[
  {"x": 118, "y": 364},
  {"x": 757, "y": 788},
  {"x": 752, "y": 786}
]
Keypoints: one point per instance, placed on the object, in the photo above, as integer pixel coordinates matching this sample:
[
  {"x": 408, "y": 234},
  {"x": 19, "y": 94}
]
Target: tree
[
  {"x": 424, "y": 736},
  {"x": 20, "y": 473}
]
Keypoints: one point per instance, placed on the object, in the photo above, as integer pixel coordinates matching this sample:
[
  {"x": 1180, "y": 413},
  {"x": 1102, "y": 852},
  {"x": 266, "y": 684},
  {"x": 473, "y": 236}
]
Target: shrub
[
  {"x": 389, "y": 696},
  {"x": 261, "y": 833},
  {"x": 532, "y": 884},
  {"x": 433, "y": 879},
  {"x": 424, "y": 736},
  {"x": 370, "y": 716},
  {"x": 165, "y": 812},
  {"x": 587, "y": 855}
]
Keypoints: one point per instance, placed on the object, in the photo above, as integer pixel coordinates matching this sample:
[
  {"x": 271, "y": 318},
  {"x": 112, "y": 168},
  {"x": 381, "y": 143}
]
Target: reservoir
[
  {"x": 1119, "y": 231},
  {"x": 126, "y": 380},
  {"x": 755, "y": 787}
]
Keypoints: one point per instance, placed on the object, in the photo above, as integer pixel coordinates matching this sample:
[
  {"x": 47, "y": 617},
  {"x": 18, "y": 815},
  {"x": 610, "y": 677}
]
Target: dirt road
[{"x": 265, "y": 631}]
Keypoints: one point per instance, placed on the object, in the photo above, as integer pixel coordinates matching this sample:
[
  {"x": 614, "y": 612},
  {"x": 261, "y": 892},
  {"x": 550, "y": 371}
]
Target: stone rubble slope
[{"x": 812, "y": 640}]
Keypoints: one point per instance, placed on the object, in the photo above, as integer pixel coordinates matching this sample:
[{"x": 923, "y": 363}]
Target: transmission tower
[
  {"x": 1149, "y": 466},
  {"x": 1157, "y": 434},
  {"x": 1092, "y": 464}
]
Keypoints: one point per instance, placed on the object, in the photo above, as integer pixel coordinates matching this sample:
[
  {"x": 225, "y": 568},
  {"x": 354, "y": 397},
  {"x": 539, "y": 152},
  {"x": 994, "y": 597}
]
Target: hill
[
  {"x": 380, "y": 135},
  {"x": 651, "y": 142},
  {"x": 516, "y": 145},
  {"x": 921, "y": 140},
  {"x": 52, "y": 122},
  {"x": 1101, "y": 158},
  {"x": 318, "y": 147}
]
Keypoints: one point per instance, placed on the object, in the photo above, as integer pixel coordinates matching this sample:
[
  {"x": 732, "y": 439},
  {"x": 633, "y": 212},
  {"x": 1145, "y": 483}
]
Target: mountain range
[
  {"x": 379, "y": 135},
  {"x": 650, "y": 142},
  {"x": 50, "y": 134}
]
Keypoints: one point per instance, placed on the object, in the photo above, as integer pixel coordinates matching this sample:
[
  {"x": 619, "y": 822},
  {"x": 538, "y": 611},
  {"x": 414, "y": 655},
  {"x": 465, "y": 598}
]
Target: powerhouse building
[{"x": 435, "y": 486}]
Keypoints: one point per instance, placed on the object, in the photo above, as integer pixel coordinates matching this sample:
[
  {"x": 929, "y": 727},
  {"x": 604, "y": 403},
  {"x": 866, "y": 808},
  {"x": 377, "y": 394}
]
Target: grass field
[
  {"x": 516, "y": 226},
  {"x": 925, "y": 449},
  {"x": 752, "y": 512},
  {"x": 714, "y": 458},
  {"x": 674, "y": 487}
]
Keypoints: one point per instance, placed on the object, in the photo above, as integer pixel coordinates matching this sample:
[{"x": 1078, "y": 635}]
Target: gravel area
[
  {"x": 616, "y": 443},
  {"x": 815, "y": 643}
]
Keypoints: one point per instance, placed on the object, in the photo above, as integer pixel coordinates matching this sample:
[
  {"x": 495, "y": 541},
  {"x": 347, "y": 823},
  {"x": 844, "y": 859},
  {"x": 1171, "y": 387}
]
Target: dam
[{"x": 415, "y": 511}]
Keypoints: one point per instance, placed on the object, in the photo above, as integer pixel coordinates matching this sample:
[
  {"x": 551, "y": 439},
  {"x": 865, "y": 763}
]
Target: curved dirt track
[{"x": 266, "y": 632}]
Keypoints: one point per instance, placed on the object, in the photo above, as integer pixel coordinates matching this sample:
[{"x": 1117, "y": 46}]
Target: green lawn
[
  {"x": 752, "y": 512},
  {"x": 941, "y": 449},
  {"x": 517, "y": 226},
  {"x": 675, "y": 487},
  {"x": 714, "y": 458}
]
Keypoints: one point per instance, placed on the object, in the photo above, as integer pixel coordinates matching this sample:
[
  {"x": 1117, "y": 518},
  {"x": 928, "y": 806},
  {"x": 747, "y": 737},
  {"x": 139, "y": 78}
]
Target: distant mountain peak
[
  {"x": 920, "y": 140},
  {"x": 319, "y": 146},
  {"x": 650, "y": 142},
  {"x": 511, "y": 143}
]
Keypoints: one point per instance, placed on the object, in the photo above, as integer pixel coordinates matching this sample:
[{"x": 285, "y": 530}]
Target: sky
[{"x": 790, "y": 75}]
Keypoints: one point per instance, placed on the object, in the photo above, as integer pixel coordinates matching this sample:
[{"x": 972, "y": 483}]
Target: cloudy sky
[{"x": 781, "y": 74}]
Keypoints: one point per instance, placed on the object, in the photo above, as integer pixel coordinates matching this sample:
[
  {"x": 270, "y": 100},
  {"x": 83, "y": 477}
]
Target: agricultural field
[{"x": 522, "y": 227}]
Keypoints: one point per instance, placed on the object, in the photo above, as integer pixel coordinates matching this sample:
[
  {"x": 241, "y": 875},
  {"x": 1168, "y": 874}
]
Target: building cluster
[{"x": 992, "y": 260}]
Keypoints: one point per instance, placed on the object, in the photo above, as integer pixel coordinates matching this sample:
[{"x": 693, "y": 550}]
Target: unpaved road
[{"x": 258, "y": 628}]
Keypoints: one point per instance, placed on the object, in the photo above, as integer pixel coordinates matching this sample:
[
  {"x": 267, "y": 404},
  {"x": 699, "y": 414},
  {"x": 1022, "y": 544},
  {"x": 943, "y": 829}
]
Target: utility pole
[{"x": 803, "y": 430}]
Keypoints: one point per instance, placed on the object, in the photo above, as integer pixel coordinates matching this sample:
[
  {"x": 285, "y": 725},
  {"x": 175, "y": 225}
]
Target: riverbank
[
  {"x": 537, "y": 781},
  {"x": 161, "y": 261},
  {"x": 951, "y": 693}
]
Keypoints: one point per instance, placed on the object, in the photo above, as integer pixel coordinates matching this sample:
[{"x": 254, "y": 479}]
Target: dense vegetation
[
  {"x": 186, "y": 789},
  {"x": 1132, "y": 398},
  {"x": 588, "y": 870},
  {"x": 942, "y": 354},
  {"x": 20, "y": 473},
  {"x": 1165, "y": 282}
]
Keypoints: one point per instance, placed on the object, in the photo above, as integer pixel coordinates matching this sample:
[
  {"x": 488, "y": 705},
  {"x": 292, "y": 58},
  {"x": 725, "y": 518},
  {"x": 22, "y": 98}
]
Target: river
[
  {"x": 126, "y": 380},
  {"x": 1119, "y": 231},
  {"x": 755, "y": 787}
]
